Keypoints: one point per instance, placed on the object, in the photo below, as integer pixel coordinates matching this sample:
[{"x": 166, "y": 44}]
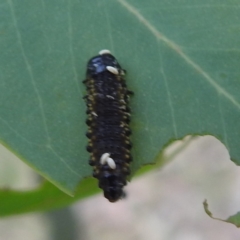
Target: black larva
[{"x": 108, "y": 118}]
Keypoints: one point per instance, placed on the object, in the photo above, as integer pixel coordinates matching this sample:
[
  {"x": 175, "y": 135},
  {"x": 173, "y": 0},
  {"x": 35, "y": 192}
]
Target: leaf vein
[
  {"x": 63, "y": 161},
  {"x": 225, "y": 138},
  {"x": 178, "y": 50},
  {"x": 18, "y": 134},
  {"x": 70, "y": 31},
  {"x": 29, "y": 69},
  {"x": 169, "y": 99},
  {"x": 109, "y": 27}
]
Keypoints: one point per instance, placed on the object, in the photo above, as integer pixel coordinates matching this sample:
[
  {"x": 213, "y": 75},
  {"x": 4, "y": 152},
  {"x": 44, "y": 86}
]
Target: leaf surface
[{"x": 182, "y": 59}]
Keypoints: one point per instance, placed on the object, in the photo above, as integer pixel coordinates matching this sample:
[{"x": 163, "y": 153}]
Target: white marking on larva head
[
  {"x": 111, "y": 163},
  {"x": 112, "y": 70},
  {"x": 104, "y": 51},
  {"x": 104, "y": 158},
  {"x": 109, "y": 96}
]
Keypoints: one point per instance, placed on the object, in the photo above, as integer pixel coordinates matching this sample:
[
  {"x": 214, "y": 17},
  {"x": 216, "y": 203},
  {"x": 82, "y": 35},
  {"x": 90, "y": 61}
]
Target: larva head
[
  {"x": 103, "y": 62},
  {"x": 112, "y": 186}
]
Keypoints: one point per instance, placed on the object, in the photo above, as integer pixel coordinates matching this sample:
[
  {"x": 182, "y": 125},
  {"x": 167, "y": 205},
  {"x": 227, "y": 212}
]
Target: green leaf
[
  {"x": 182, "y": 59},
  {"x": 235, "y": 219},
  {"x": 44, "y": 198},
  {"x": 47, "y": 196}
]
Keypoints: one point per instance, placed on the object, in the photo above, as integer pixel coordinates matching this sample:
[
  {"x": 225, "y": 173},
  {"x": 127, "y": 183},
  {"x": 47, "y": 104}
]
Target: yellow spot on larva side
[
  {"x": 122, "y": 124},
  {"x": 127, "y": 151}
]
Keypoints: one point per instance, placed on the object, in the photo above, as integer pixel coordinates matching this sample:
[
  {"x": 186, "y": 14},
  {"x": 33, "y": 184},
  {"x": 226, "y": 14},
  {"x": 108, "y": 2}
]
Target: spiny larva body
[{"x": 108, "y": 124}]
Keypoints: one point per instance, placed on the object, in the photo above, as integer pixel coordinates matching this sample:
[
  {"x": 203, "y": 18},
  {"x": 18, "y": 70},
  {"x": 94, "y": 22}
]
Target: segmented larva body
[{"x": 108, "y": 124}]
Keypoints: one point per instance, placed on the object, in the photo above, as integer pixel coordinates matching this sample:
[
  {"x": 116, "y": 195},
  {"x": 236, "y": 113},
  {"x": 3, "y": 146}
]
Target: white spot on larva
[
  {"x": 111, "y": 163},
  {"x": 104, "y": 51},
  {"x": 109, "y": 96},
  {"x": 121, "y": 100},
  {"x": 112, "y": 70},
  {"x": 104, "y": 158},
  {"x": 94, "y": 114}
]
